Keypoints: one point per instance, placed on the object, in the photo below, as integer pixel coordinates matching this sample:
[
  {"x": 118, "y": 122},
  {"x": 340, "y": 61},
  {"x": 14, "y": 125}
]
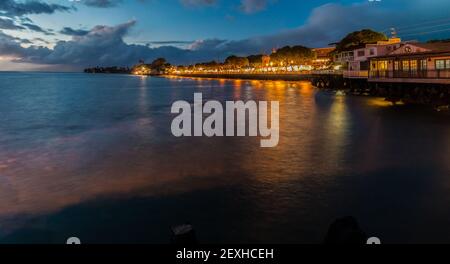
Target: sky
[{"x": 69, "y": 35}]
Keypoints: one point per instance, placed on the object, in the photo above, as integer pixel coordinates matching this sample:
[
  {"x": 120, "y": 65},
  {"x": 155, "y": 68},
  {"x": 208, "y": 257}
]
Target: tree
[
  {"x": 359, "y": 39},
  {"x": 237, "y": 62},
  {"x": 208, "y": 65},
  {"x": 255, "y": 60},
  {"x": 292, "y": 55},
  {"x": 159, "y": 65}
]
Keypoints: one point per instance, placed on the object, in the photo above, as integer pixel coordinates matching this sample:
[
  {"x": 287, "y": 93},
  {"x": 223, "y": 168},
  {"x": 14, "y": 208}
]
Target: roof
[
  {"x": 427, "y": 49},
  {"x": 414, "y": 55},
  {"x": 435, "y": 47}
]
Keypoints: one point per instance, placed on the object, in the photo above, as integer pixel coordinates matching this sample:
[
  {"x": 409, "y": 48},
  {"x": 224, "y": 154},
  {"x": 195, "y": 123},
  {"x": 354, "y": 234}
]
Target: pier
[
  {"x": 414, "y": 89},
  {"x": 322, "y": 79}
]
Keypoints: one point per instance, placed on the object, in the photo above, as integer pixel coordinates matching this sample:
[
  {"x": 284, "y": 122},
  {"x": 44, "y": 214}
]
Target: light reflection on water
[{"x": 70, "y": 139}]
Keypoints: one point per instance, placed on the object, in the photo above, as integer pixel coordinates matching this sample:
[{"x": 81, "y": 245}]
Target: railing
[
  {"x": 325, "y": 72},
  {"x": 277, "y": 72},
  {"x": 356, "y": 74},
  {"x": 413, "y": 74},
  {"x": 344, "y": 59}
]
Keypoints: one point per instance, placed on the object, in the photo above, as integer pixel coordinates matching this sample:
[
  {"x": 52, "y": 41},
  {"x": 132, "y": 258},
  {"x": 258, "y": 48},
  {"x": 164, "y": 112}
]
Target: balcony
[
  {"x": 356, "y": 74},
  {"x": 413, "y": 76}
]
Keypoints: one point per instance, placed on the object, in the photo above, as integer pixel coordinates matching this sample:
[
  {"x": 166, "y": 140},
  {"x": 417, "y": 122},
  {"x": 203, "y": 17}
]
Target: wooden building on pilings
[
  {"x": 415, "y": 72},
  {"x": 427, "y": 63}
]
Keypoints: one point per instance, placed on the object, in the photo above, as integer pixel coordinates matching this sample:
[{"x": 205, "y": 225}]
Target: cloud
[
  {"x": 170, "y": 42},
  {"x": 253, "y": 6},
  {"x": 37, "y": 28},
  {"x": 73, "y": 32},
  {"x": 102, "y": 3},
  {"x": 198, "y": 3},
  {"x": 13, "y": 14},
  {"x": 10, "y": 24},
  {"x": 39, "y": 40},
  {"x": 330, "y": 23},
  {"x": 6, "y": 23},
  {"x": 11, "y": 8},
  {"x": 10, "y": 47},
  {"x": 208, "y": 44},
  {"x": 101, "y": 46}
]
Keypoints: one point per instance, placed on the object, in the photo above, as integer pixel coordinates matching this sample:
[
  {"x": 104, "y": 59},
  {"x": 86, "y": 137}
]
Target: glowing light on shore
[{"x": 381, "y": 102}]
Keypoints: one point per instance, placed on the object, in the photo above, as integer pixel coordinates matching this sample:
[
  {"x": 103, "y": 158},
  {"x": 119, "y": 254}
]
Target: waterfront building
[
  {"x": 413, "y": 63},
  {"x": 342, "y": 59},
  {"x": 323, "y": 58},
  {"x": 357, "y": 60},
  {"x": 265, "y": 60}
]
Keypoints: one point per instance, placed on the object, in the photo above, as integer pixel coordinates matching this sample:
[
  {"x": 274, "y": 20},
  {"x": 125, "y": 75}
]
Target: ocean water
[{"x": 92, "y": 156}]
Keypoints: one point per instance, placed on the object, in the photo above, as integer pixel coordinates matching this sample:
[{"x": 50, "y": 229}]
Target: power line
[
  {"x": 423, "y": 28},
  {"x": 427, "y": 32},
  {"x": 424, "y": 23},
  {"x": 417, "y": 24}
]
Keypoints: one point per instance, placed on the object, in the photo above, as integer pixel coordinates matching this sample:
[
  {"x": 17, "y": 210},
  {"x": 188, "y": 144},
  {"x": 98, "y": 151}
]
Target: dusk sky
[{"x": 66, "y": 35}]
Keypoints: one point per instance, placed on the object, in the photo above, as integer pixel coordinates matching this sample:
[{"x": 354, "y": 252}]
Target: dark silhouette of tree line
[
  {"x": 114, "y": 69},
  {"x": 289, "y": 55}
]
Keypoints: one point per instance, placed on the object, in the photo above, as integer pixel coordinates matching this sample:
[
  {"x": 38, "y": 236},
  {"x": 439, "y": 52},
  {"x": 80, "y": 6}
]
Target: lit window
[
  {"x": 405, "y": 65},
  {"x": 382, "y": 65},
  {"x": 423, "y": 64},
  {"x": 413, "y": 65},
  {"x": 440, "y": 64}
]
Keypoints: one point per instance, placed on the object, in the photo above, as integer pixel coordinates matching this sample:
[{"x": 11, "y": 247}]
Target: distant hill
[{"x": 359, "y": 39}]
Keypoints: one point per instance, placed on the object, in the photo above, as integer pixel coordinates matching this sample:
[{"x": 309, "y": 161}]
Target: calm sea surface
[{"x": 92, "y": 156}]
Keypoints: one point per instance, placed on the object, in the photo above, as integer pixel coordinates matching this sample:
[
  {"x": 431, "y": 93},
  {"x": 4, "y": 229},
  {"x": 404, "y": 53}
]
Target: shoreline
[
  {"x": 243, "y": 76},
  {"x": 435, "y": 96}
]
